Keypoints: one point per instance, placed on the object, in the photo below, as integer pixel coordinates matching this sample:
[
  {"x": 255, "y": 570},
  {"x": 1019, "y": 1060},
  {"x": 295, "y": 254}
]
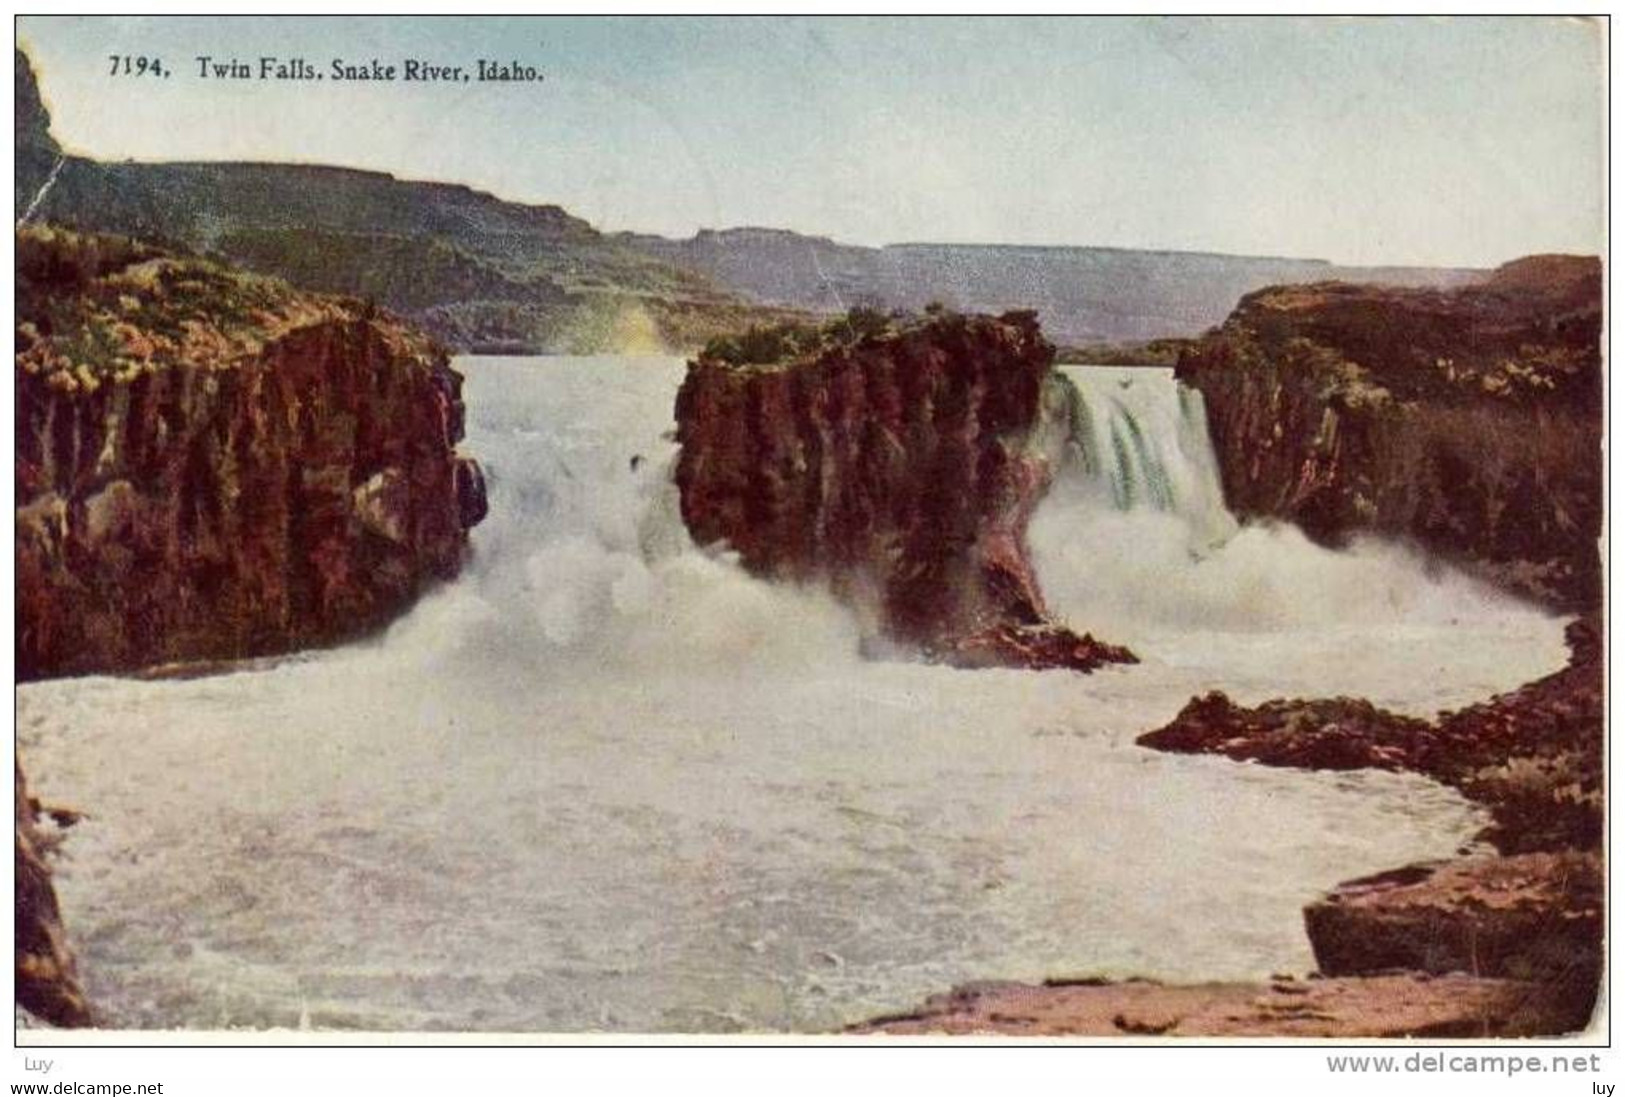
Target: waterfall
[
  {"x": 609, "y": 780},
  {"x": 1138, "y": 442},
  {"x": 1134, "y": 541}
]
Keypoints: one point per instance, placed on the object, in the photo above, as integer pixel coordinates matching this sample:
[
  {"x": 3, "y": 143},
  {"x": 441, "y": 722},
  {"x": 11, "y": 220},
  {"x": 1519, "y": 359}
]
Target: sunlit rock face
[
  {"x": 900, "y": 465},
  {"x": 213, "y": 465},
  {"x": 1468, "y": 421}
]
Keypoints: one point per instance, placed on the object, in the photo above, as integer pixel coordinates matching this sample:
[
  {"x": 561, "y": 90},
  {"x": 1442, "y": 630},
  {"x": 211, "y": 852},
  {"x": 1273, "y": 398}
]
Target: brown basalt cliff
[
  {"x": 47, "y": 979},
  {"x": 1531, "y": 916},
  {"x": 1468, "y": 421},
  {"x": 900, "y": 465},
  {"x": 211, "y": 465}
]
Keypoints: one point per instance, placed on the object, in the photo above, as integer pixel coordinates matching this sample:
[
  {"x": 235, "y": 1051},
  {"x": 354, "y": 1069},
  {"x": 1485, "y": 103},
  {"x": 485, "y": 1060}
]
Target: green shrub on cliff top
[
  {"x": 761, "y": 345},
  {"x": 95, "y": 308}
]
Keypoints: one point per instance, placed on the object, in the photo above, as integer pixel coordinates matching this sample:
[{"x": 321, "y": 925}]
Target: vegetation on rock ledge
[
  {"x": 93, "y": 309},
  {"x": 1468, "y": 422},
  {"x": 770, "y": 344}
]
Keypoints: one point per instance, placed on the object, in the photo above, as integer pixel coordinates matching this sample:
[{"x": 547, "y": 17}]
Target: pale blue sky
[{"x": 1364, "y": 141}]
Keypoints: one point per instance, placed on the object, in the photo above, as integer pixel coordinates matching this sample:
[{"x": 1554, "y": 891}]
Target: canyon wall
[
  {"x": 1468, "y": 421},
  {"x": 899, "y": 464},
  {"x": 213, "y": 465},
  {"x": 47, "y": 975},
  {"x": 485, "y": 275},
  {"x": 480, "y": 274},
  {"x": 1083, "y": 295}
]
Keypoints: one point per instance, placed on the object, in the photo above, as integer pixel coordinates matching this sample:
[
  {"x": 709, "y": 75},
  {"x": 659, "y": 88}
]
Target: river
[{"x": 607, "y": 781}]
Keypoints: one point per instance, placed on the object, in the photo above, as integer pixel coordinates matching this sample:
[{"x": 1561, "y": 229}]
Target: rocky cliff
[
  {"x": 899, "y": 462},
  {"x": 47, "y": 976},
  {"x": 479, "y": 273},
  {"x": 1467, "y": 421},
  {"x": 491, "y": 276},
  {"x": 214, "y": 465},
  {"x": 36, "y": 150}
]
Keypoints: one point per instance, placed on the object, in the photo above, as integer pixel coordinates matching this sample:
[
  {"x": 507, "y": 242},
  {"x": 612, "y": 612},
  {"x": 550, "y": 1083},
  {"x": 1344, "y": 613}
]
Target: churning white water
[
  {"x": 608, "y": 781},
  {"x": 1135, "y": 543}
]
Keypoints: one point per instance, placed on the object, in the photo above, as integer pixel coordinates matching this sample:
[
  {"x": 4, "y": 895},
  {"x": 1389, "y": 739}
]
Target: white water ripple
[{"x": 608, "y": 781}]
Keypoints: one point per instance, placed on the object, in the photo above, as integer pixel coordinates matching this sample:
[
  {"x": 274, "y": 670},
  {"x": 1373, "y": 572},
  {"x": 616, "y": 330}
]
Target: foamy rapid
[
  {"x": 606, "y": 780},
  {"x": 1134, "y": 543}
]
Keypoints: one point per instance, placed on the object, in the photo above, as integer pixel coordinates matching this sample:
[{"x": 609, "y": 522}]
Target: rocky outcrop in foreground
[
  {"x": 214, "y": 465},
  {"x": 1467, "y": 421},
  {"x": 897, "y": 462},
  {"x": 1530, "y": 916},
  {"x": 47, "y": 979},
  {"x": 1503, "y": 944},
  {"x": 1533, "y": 756},
  {"x": 1400, "y": 1004}
]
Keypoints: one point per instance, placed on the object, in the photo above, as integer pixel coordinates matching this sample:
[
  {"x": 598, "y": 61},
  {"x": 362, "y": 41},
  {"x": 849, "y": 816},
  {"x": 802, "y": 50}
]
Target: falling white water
[
  {"x": 1134, "y": 543},
  {"x": 1139, "y": 444},
  {"x": 606, "y": 780}
]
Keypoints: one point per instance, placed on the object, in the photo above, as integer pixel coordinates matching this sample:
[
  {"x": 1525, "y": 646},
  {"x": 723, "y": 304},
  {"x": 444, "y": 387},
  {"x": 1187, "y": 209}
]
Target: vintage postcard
[{"x": 704, "y": 527}]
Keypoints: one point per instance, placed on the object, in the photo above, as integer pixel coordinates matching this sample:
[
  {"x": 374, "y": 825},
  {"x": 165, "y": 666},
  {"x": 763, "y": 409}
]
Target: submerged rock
[
  {"x": 211, "y": 465},
  {"x": 1467, "y": 421},
  {"x": 899, "y": 464}
]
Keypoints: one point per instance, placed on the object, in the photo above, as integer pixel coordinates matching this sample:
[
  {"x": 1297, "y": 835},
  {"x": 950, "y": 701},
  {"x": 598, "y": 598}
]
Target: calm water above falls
[{"x": 607, "y": 781}]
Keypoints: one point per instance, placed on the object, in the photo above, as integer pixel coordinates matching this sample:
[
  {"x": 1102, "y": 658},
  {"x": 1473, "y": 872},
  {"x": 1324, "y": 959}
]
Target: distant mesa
[
  {"x": 1083, "y": 295},
  {"x": 486, "y": 275}
]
